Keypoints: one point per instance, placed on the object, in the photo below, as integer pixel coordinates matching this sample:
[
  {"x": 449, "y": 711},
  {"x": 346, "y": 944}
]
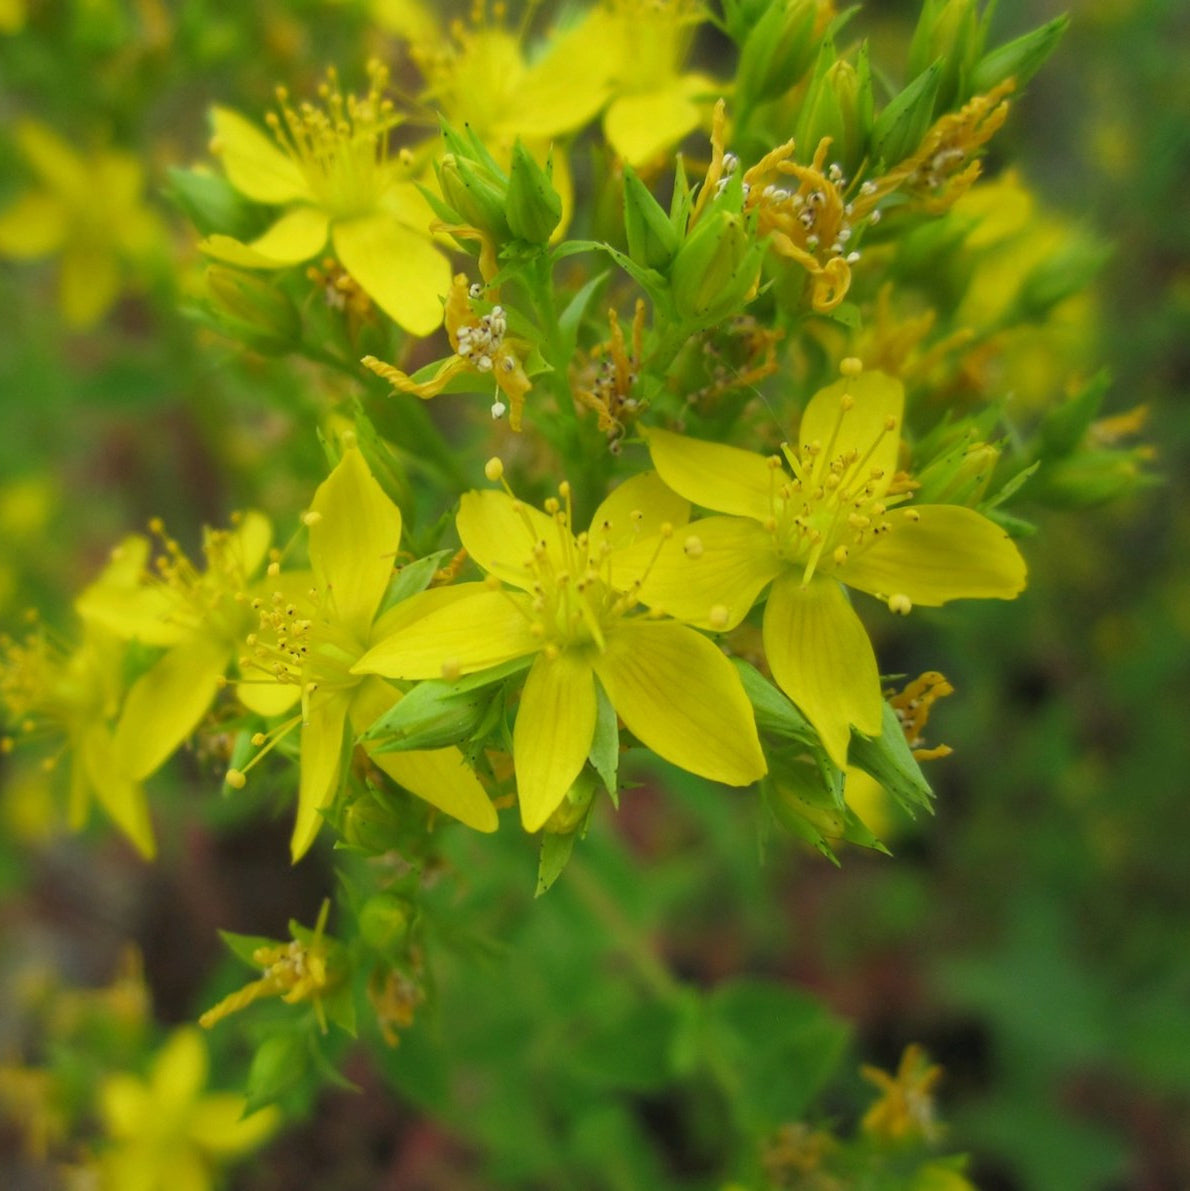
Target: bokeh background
[{"x": 1033, "y": 935}]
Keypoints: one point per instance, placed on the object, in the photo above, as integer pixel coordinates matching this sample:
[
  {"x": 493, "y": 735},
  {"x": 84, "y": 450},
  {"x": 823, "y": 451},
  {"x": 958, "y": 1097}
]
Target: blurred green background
[{"x": 1033, "y": 935}]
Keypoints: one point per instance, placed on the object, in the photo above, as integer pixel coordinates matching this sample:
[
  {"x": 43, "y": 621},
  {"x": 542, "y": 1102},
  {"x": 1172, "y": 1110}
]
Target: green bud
[
  {"x": 253, "y": 309},
  {"x": 740, "y": 15},
  {"x": 279, "y": 1064},
  {"x": 716, "y": 268},
  {"x": 370, "y": 824},
  {"x": 949, "y": 31},
  {"x": 212, "y": 204},
  {"x": 1064, "y": 425},
  {"x": 777, "y": 50},
  {"x": 796, "y": 803},
  {"x": 534, "y": 206},
  {"x": 1020, "y": 59},
  {"x": 477, "y": 194},
  {"x": 838, "y": 104},
  {"x": 432, "y": 715},
  {"x": 1066, "y": 273},
  {"x": 384, "y": 922},
  {"x": 652, "y": 237},
  {"x": 899, "y": 129},
  {"x": 960, "y": 476},
  {"x": 1094, "y": 477}
]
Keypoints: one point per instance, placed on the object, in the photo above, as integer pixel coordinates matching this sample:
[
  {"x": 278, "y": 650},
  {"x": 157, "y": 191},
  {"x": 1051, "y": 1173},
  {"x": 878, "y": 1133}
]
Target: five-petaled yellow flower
[
  {"x": 88, "y": 210},
  {"x": 330, "y": 167},
  {"x": 575, "y": 610},
  {"x": 832, "y": 519},
  {"x": 167, "y": 1132},
  {"x": 307, "y": 645}
]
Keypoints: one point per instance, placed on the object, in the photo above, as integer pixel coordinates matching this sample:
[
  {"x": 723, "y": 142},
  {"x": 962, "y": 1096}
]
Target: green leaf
[
  {"x": 556, "y": 851},
  {"x": 279, "y": 1065},
  {"x": 413, "y": 577},
  {"x": 245, "y": 946},
  {"x": 605, "y": 746}
]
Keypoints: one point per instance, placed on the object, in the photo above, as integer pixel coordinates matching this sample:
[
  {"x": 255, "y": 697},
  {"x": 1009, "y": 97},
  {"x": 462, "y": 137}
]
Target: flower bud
[
  {"x": 797, "y": 808},
  {"x": 777, "y": 49},
  {"x": 370, "y": 824},
  {"x": 384, "y": 922},
  {"x": 253, "y": 309},
  {"x": 1020, "y": 59},
  {"x": 899, "y": 129},
  {"x": 279, "y": 1064},
  {"x": 838, "y": 104},
  {"x": 950, "y": 31},
  {"x": 958, "y": 477},
  {"x": 534, "y": 206},
  {"x": 1061, "y": 276},
  {"x": 652, "y": 237},
  {"x": 432, "y": 715},
  {"x": 477, "y": 195},
  {"x": 716, "y": 269},
  {"x": 1093, "y": 477}
]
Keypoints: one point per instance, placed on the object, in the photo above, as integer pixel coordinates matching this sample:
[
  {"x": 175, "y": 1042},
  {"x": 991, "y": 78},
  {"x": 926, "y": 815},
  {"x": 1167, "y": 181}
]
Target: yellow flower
[
  {"x": 88, "y": 210},
  {"x": 307, "y": 645},
  {"x": 573, "y": 611},
  {"x": 331, "y": 169},
  {"x": 480, "y": 347},
  {"x": 200, "y": 617},
  {"x": 166, "y": 1132},
  {"x": 46, "y": 690},
  {"x": 656, "y": 104},
  {"x": 905, "y": 1110},
  {"x": 831, "y": 522}
]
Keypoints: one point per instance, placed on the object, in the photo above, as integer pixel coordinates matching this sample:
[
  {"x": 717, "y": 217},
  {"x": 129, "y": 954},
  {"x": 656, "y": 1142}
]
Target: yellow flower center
[
  {"x": 340, "y": 145},
  {"x": 834, "y": 504}
]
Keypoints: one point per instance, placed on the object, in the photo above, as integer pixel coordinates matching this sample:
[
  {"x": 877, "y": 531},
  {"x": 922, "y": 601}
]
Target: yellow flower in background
[
  {"x": 75, "y": 695},
  {"x": 167, "y": 1133},
  {"x": 655, "y": 102},
  {"x": 199, "y": 617},
  {"x": 89, "y": 211},
  {"x": 330, "y": 167},
  {"x": 905, "y": 1110},
  {"x": 832, "y": 522},
  {"x": 307, "y": 645},
  {"x": 573, "y": 611}
]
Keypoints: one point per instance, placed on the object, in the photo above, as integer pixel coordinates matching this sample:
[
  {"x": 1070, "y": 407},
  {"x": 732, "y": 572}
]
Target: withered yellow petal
[
  {"x": 681, "y": 697},
  {"x": 353, "y": 542},
  {"x": 555, "y": 724},
  {"x": 254, "y": 163},
  {"x": 937, "y": 553},
  {"x": 398, "y": 267},
  {"x": 470, "y": 634},
  {"x": 714, "y": 476},
  {"x": 821, "y": 657}
]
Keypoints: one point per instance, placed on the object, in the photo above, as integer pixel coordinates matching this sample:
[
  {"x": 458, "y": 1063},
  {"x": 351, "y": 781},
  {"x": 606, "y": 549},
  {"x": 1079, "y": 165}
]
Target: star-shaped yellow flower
[
  {"x": 574, "y": 612},
  {"x": 836, "y": 517},
  {"x": 90, "y": 211},
  {"x": 331, "y": 169},
  {"x": 307, "y": 645}
]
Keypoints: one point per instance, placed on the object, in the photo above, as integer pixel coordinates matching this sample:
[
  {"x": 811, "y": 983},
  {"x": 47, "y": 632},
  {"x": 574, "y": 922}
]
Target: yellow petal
[
  {"x": 321, "y": 753},
  {"x": 218, "y": 1125},
  {"x": 680, "y": 696},
  {"x": 165, "y": 704},
  {"x": 122, "y": 798},
  {"x": 554, "y": 728},
  {"x": 401, "y": 615},
  {"x": 180, "y": 1069},
  {"x": 52, "y": 159},
  {"x": 354, "y": 542},
  {"x": 88, "y": 283},
  {"x": 500, "y": 533},
  {"x": 124, "y": 1105},
  {"x": 708, "y": 574},
  {"x": 937, "y": 553},
  {"x": 268, "y": 698},
  {"x": 440, "y": 776},
  {"x": 470, "y": 634},
  {"x": 397, "y": 267},
  {"x": 653, "y": 502},
  {"x": 295, "y": 237},
  {"x": 714, "y": 476},
  {"x": 254, "y": 163},
  {"x": 879, "y": 401},
  {"x": 249, "y": 540},
  {"x": 821, "y": 657},
  {"x": 33, "y": 226},
  {"x": 640, "y": 127}
]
